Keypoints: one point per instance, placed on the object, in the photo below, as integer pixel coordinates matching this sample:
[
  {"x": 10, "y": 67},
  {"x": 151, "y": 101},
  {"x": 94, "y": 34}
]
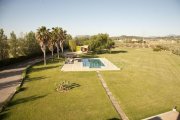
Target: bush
[
  {"x": 10, "y": 61},
  {"x": 64, "y": 86},
  {"x": 176, "y": 51},
  {"x": 156, "y": 49},
  {"x": 160, "y": 48}
]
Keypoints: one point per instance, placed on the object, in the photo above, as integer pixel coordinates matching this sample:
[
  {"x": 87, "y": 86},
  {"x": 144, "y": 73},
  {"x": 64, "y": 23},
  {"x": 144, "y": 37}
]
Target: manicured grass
[
  {"x": 38, "y": 100},
  {"x": 148, "y": 84}
]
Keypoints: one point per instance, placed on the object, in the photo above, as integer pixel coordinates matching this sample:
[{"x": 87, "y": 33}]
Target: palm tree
[
  {"x": 42, "y": 35},
  {"x": 63, "y": 35},
  {"x": 51, "y": 43},
  {"x": 59, "y": 38},
  {"x": 55, "y": 33}
]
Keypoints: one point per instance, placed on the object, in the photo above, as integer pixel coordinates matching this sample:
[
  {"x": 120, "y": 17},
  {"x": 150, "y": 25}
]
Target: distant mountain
[
  {"x": 79, "y": 36},
  {"x": 168, "y": 37}
]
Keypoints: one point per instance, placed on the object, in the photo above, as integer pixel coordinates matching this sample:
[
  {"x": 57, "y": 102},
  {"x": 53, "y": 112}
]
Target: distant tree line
[
  {"x": 31, "y": 44},
  {"x": 15, "y": 47},
  {"x": 53, "y": 40}
]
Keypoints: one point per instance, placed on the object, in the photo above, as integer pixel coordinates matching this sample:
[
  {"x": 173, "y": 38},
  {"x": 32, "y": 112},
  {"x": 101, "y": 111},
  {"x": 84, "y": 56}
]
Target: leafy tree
[
  {"x": 42, "y": 36},
  {"x": 72, "y": 45},
  {"x": 82, "y": 40},
  {"x": 100, "y": 42},
  {"x": 13, "y": 43},
  {"x": 22, "y": 49},
  {"x": 32, "y": 44},
  {"x": 66, "y": 42},
  {"x": 28, "y": 44},
  {"x": 3, "y": 45},
  {"x": 109, "y": 45}
]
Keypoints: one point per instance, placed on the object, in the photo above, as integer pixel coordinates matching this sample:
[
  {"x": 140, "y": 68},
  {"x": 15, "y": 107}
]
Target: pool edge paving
[{"x": 78, "y": 66}]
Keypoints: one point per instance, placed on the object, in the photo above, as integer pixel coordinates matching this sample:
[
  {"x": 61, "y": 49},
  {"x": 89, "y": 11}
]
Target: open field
[
  {"x": 148, "y": 84},
  {"x": 38, "y": 99}
]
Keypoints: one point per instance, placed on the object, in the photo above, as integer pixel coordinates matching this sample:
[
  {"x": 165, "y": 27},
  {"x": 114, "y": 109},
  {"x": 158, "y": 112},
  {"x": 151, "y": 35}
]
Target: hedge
[{"x": 11, "y": 61}]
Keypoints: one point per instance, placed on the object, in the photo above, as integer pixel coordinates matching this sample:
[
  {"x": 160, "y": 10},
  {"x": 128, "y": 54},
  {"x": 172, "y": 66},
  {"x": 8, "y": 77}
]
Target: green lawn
[
  {"x": 38, "y": 99},
  {"x": 148, "y": 84}
]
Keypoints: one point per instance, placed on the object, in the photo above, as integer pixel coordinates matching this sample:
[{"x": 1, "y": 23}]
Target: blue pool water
[{"x": 92, "y": 63}]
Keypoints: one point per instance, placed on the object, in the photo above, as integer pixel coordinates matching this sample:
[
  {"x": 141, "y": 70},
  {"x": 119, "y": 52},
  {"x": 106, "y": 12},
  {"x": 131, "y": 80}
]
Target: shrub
[
  {"x": 64, "y": 86},
  {"x": 160, "y": 48},
  {"x": 156, "y": 49},
  {"x": 10, "y": 61},
  {"x": 176, "y": 51}
]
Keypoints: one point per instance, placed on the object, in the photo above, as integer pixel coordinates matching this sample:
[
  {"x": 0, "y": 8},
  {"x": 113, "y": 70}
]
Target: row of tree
[
  {"x": 54, "y": 38},
  {"x": 14, "y": 47},
  {"x": 49, "y": 39},
  {"x": 32, "y": 43},
  {"x": 3, "y": 45}
]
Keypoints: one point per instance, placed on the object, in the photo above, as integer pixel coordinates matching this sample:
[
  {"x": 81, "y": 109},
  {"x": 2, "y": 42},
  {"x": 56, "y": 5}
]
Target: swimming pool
[{"x": 92, "y": 63}]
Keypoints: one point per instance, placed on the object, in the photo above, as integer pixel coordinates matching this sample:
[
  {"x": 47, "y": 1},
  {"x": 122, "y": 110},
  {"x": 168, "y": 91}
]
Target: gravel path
[{"x": 10, "y": 79}]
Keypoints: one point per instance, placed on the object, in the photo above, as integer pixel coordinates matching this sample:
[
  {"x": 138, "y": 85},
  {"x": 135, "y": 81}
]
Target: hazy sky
[{"x": 87, "y": 17}]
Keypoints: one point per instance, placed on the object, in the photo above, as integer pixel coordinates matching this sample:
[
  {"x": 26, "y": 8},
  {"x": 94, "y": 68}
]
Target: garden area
[
  {"x": 146, "y": 85},
  {"x": 38, "y": 98},
  {"x": 89, "y": 60}
]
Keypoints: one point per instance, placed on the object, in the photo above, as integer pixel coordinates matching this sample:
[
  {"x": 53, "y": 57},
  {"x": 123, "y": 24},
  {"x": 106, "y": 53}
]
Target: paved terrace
[
  {"x": 78, "y": 66},
  {"x": 171, "y": 115}
]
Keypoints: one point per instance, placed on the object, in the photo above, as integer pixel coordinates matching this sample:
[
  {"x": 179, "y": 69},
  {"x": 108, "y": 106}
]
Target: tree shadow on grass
[
  {"x": 6, "y": 112},
  {"x": 25, "y": 100},
  {"x": 43, "y": 68},
  {"x": 118, "y": 51},
  {"x": 22, "y": 89},
  {"x": 113, "y": 119},
  {"x": 34, "y": 79},
  {"x": 51, "y": 61}
]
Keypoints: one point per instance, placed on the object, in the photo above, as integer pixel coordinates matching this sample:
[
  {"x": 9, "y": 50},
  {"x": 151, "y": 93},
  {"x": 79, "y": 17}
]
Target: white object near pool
[{"x": 89, "y": 64}]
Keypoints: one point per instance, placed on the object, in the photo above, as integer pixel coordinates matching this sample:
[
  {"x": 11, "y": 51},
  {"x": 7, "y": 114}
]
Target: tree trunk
[
  {"x": 57, "y": 49},
  {"x": 110, "y": 50},
  {"x": 44, "y": 57},
  {"x": 61, "y": 46},
  {"x": 52, "y": 52},
  {"x": 43, "y": 48}
]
